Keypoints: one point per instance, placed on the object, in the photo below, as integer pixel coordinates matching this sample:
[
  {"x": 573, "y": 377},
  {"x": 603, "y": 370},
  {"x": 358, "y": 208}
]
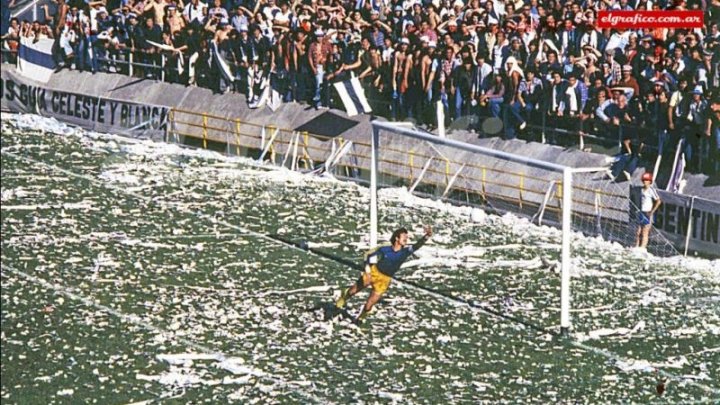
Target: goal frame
[{"x": 567, "y": 175}]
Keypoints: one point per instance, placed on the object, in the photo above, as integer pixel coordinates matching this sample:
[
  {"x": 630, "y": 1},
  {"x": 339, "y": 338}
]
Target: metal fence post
[
  {"x": 162, "y": 67},
  {"x": 169, "y": 126},
  {"x": 581, "y": 137},
  {"x": 130, "y": 63},
  {"x": 205, "y": 130},
  {"x": 237, "y": 137}
]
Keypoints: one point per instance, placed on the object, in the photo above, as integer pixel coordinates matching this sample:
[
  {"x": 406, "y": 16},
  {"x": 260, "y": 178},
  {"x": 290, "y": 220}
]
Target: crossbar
[{"x": 434, "y": 139}]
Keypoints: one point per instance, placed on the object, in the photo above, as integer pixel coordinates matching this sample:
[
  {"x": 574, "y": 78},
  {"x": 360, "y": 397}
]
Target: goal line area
[{"x": 581, "y": 201}]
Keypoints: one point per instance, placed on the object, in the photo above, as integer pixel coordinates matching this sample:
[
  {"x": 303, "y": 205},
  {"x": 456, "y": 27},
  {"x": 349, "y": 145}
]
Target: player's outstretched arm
[{"x": 425, "y": 238}]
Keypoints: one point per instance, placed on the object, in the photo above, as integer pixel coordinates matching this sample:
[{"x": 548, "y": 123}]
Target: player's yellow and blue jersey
[{"x": 389, "y": 261}]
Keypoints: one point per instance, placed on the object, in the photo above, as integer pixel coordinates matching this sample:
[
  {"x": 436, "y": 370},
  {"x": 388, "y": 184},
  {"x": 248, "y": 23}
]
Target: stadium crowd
[{"x": 529, "y": 63}]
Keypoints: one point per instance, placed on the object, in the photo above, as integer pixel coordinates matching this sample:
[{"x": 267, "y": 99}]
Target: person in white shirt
[
  {"x": 283, "y": 17},
  {"x": 194, "y": 11},
  {"x": 219, "y": 12},
  {"x": 270, "y": 9},
  {"x": 649, "y": 204}
]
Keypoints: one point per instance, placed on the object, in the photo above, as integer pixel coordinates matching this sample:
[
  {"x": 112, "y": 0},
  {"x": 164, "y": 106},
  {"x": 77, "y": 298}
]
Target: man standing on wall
[
  {"x": 381, "y": 264},
  {"x": 649, "y": 204}
]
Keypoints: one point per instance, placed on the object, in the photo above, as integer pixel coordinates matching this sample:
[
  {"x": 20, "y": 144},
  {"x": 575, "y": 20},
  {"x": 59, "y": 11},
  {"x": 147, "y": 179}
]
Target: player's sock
[{"x": 340, "y": 303}]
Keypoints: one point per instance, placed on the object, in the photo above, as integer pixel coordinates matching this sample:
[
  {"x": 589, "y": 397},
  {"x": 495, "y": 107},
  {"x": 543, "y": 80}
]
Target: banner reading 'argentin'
[{"x": 650, "y": 19}]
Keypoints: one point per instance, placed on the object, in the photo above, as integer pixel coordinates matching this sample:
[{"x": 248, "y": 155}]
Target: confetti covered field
[{"x": 139, "y": 272}]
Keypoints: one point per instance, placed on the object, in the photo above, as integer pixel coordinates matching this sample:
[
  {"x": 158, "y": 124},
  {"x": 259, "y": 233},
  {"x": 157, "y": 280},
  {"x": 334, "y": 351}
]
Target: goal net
[{"x": 551, "y": 220}]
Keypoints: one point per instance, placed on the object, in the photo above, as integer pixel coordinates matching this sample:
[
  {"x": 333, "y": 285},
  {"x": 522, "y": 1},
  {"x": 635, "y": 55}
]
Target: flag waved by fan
[
  {"x": 353, "y": 97},
  {"x": 170, "y": 48},
  {"x": 269, "y": 96},
  {"x": 676, "y": 183},
  {"x": 221, "y": 63},
  {"x": 35, "y": 59}
]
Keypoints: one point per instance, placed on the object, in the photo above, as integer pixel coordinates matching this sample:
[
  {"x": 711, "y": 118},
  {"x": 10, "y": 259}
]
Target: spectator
[
  {"x": 219, "y": 12},
  {"x": 243, "y": 57},
  {"x": 495, "y": 96},
  {"x": 195, "y": 12},
  {"x": 269, "y": 9},
  {"x": 285, "y": 16},
  {"x": 517, "y": 49},
  {"x": 627, "y": 80},
  {"x": 83, "y": 43},
  {"x": 138, "y": 7},
  {"x": 500, "y": 51},
  {"x": 148, "y": 53},
  {"x": 240, "y": 18},
  {"x": 188, "y": 42},
  {"x": 557, "y": 101},
  {"x": 541, "y": 62},
  {"x": 399, "y": 78},
  {"x": 428, "y": 75},
  {"x": 697, "y": 121},
  {"x": 592, "y": 122},
  {"x": 174, "y": 21},
  {"x": 577, "y": 95},
  {"x": 60, "y": 53},
  {"x": 11, "y": 39},
  {"x": 649, "y": 204},
  {"x": 318, "y": 56},
  {"x": 513, "y": 118},
  {"x": 333, "y": 65},
  {"x": 569, "y": 39},
  {"x": 298, "y": 67},
  {"x": 155, "y": 9},
  {"x": 531, "y": 93},
  {"x": 657, "y": 115},
  {"x": 621, "y": 118},
  {"x": 482, "y": 76},
  {"x": 461, "y": 83},
  {"x": 708, "y": 70},
  {"x": 172, "y": 72},
  {"x": 713, "y": 135},
  {"x": 679, "y": 103}
]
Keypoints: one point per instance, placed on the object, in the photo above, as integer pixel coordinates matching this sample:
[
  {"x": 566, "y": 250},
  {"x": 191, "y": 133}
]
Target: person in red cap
[{"x": 649, "y": 204}]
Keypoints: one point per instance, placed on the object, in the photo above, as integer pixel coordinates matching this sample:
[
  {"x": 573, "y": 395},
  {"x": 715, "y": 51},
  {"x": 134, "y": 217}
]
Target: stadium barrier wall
[
  {"x": 96, "y": 102},
  {"x": 93, "y": 112}
]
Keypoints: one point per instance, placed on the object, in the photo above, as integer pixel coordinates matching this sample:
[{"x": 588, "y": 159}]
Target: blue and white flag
[
  {"x": 35, "y": 59},
  {"x": 269, "y": 96},
  {"x": 675, "y": 183},
  {"x": 353, "y": 97},
  {"x": 221, "y": 63}
]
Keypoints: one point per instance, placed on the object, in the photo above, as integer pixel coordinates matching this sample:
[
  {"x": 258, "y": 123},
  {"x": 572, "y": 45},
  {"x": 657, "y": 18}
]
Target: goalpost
[{"x": 573, "y": 199}]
